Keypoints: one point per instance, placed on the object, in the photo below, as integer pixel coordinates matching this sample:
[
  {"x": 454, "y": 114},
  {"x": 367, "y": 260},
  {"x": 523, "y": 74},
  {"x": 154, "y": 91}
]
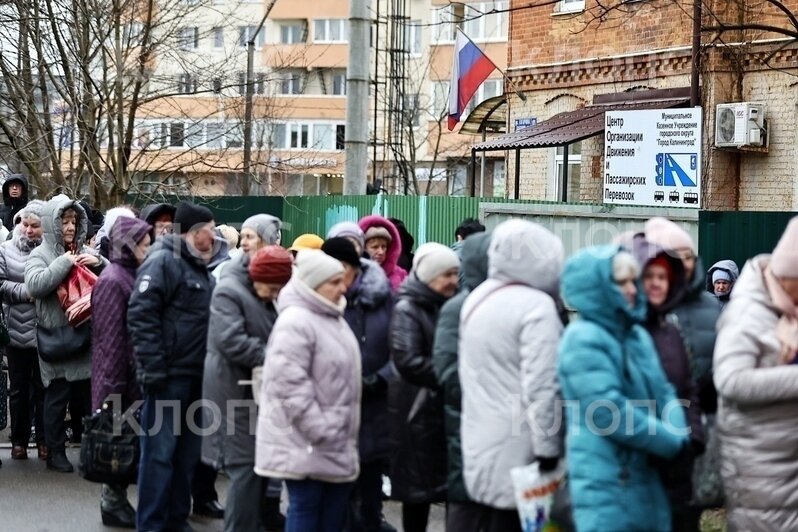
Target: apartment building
[{"x": 190, "y": 138}]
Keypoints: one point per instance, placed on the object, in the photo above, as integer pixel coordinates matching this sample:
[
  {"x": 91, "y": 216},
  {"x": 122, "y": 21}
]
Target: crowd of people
[{"x": 326, "y": 367}]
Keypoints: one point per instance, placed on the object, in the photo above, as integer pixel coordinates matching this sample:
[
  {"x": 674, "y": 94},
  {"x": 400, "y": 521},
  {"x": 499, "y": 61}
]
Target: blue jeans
[
  {"x": 168, "y": 458},
  {"x": 315, "y": 506}
]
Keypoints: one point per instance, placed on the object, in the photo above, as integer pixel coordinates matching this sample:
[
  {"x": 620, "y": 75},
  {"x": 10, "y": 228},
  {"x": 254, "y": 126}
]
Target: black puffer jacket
[
  {"x": 169, "y": 312},
  {"x": 445, "y": 358},
  {"x": 11, "y": 206},
  {"x": 415, "y": 401}
]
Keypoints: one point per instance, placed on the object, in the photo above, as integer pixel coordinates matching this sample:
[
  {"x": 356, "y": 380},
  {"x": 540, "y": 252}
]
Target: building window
[
  {"x": 186, "y": 84},
  {"x": 299, "y": 135},
  {"x": 132, "y": 32},
  {"x": 218, "y": 38},
  {"x": 246, "y": 33},
  {"x": 412, "y": 112},
  {"x": 413, "y": 37},
  {"x": 216, "y": 85},
  {"x": 486, "y": 21},
  {"x": 574, "y": 170},
  {"x": 458, "y": 179},
  {"x": 339, "y": 83},
  {"x": 445, "y": 21},
  {"x": 330, "y": 30},
  {"x": 291, "y": 82},
  {"x": 440, "y": 98},
  {"x": 258, "y": 83},
  {"x": 570, "y": 6},
  {"x": 488, "y": 89},
  {"x": 340, "y": 136},
  {"x": 292, "y": 33},
  {"x": 234, "y": 135},
  {"x": 323, "y": 136},
  {"x": 188, "y": 38},
  {"x": 214, "y": 134},
  {"x": 177, "y": 134}
]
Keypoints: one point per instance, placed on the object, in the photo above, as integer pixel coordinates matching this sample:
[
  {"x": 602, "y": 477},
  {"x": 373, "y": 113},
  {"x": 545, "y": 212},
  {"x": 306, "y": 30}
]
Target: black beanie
[
  {"x": 342, "y": 249},
  {"x": 188, "y": 215}
]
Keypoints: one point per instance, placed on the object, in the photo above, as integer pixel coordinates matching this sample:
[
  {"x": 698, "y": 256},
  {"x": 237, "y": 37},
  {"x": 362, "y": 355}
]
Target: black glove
[
  {"x": 374, "y": 386},
  {"x": 547, "y": 464}
]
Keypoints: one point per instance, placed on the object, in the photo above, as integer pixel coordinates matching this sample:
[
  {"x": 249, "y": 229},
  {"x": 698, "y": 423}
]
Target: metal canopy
[
  {"x": 572, "y": 126},
  {"x": 490, "y": 116}
]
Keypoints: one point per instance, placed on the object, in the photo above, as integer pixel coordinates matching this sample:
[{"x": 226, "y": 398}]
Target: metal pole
[
  {"x": 473, "y": 173},
  {"x": 357, "y": 98},
  {"x": 482, "y": 169},
  {"x": 695, "y": 97},
  {"x": 376, "y": 92},
  {"x": 517, "y": 173},
  {"x": 564, "y": 195},
  {"x": 248, "y": 94}
]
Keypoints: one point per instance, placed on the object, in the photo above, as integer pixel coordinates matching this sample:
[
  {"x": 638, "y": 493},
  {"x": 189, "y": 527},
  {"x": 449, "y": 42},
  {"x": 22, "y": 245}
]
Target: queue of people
[{"x": 343, "y": 368}]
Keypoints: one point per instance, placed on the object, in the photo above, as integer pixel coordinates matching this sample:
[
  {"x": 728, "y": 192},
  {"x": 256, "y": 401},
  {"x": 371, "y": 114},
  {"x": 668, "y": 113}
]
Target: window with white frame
[
  {"x": 258, "y": 83},
  {"x": 413, "y": 37},
  {"x": 218, "y": 37},
  {"x": 234, "y": 135},
  {"x": 412, "y": 111},
  {"x": 301, "y": 135},
  {"x": 186, "y": 83},
  {"x": 330, "y": 30},
  {"x": 499, "y": 179},
  {"x": 292, "y": 82},
  {"x": 488, "y": 89},
  {"x": 445, "y": 21},
  {"x": 338, "y": 84},
  {"x": 458, "y": 179},
  {"x": 214, "y": 134},
  {"x": 574, "y": 171},
  {"x": 292, "y": 32},
  {"x": 440, "y": 98},
  {"x": 188, "y": 38},
  {"x": 246, "y": 33},
  {"x": 194, "y": 134},
  {"x": 570, "y": 6},
  {"x": 177, "y": 134},
  {"x": 323, "y": 136},
  {"x": 486, "y": 21}
]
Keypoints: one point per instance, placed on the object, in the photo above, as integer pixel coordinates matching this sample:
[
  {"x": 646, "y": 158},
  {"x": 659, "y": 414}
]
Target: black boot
[
  {"x": 57, "y": 461},
  {"x": 273, "y": 520},
  {"x": 211, "y": 509},
  {"x": 124, "y": 517}
]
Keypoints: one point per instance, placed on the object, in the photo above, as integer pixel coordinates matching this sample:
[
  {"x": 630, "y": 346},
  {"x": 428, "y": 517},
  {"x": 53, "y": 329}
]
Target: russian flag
[{"x": 470, "y": 68}]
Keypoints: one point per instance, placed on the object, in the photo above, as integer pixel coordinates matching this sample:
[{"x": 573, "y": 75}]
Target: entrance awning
[
  {"x": 489, "y": 116},
  {"x": 572, "y": 126}
]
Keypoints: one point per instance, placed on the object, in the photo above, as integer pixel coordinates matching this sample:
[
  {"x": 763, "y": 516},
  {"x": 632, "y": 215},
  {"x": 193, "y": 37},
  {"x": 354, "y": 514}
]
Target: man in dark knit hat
[{"x": 168, "y": 325}]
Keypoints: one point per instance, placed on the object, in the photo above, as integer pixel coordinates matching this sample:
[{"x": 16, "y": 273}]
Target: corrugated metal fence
[{"x": 720, "y": 235}]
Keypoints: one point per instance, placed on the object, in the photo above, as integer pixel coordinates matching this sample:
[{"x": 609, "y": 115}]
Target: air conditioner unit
[{"x": 740, "y": 124}]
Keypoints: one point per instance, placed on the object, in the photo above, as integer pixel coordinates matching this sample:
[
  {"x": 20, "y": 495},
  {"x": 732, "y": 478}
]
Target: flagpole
[{"x": 502, "y": 72}]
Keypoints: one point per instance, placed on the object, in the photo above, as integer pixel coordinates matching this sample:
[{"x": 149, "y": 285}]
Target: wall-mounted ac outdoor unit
[{"x": 740, "y": 124}]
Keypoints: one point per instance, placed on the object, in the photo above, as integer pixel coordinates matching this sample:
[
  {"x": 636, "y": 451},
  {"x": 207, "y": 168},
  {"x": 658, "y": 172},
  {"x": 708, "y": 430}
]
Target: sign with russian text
[
  {"x": 525, "y": 123},
  {"x": 653, "y": 157}
]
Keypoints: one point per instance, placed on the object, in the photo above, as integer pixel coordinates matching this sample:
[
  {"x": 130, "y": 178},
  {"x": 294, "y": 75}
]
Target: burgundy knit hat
[{"x": 272, "y": 265}]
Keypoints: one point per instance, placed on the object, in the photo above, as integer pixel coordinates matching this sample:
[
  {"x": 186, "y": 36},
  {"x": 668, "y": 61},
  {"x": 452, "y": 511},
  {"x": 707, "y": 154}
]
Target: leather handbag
[
  {"x": 108, "y": 454},
  {"x": 61, "y": 344}
]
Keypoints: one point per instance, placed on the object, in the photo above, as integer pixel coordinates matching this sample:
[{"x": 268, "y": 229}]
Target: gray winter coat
[
  {"x": 17, "y": 305},
  {"x": 758, "y": 410},
  {"x": 509, "y": 331},
  {"x": 47, "y": 267},
  {"x": 239, "y": 328}
]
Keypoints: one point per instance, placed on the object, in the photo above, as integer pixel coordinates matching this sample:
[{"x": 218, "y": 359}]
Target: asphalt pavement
[{"x": 33, "y": 499}]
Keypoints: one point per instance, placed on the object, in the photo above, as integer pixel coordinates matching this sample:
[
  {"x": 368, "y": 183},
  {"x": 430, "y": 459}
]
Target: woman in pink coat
[
  {"x": 309, "y": 414},
  {"x": 384, "y": 246}
]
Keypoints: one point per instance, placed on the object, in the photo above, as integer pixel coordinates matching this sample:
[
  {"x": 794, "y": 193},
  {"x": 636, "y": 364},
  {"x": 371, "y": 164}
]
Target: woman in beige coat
[
  {"x": 757, "y": 381},
  {"x": 309, "y": 414}
]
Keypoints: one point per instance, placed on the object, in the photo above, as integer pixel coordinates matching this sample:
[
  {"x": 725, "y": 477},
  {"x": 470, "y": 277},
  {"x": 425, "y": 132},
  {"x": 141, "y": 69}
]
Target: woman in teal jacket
[{"x": 609, "y": 373}]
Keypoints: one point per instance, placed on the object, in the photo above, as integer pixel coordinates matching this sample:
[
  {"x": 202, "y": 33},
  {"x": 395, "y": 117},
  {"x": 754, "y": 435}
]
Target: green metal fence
[{"x": 739, "y": 235}]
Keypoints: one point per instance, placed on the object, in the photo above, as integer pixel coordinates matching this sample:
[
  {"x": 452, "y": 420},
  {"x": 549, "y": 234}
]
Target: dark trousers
[
  {"x": 316, "y": 506},
  {"x": 169, "y": 454},
  {"x": 203, "y": 486},
  {"x": 366, "y": 506},
  {"x": 415, "y": 516},
  {"x": 465, "y": 517},
  {"x": 26, "y": 397},
  {"x": 56, "y": 398}
]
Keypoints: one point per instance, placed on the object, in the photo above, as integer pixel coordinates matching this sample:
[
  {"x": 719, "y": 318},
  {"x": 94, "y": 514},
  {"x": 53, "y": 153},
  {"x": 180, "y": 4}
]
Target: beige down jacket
[
  {"x": 758, "y": 410},
  {"x": 309, "y": 414}
]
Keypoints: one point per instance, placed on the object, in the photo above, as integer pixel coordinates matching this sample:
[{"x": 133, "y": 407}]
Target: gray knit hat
[
  {"x": 314, "y": 267},
  {"x": 33, "y": 208},
  {"x": 266, "y": 226}
]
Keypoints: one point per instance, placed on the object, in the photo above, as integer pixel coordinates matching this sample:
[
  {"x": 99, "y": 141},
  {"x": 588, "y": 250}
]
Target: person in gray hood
[
  {"x": 505, "y": 356},
  {"x": 63, "y": 246},
  {"x": 720, "y": 280},
  {"x": 26, "y": 396},
  {"x": 462, "y": 511}
]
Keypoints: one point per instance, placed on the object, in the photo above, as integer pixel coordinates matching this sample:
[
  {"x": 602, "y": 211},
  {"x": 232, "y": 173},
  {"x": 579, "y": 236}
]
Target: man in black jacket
[
  {"x": 15, "y": 197},
  {"x": 168, "y": 325}
]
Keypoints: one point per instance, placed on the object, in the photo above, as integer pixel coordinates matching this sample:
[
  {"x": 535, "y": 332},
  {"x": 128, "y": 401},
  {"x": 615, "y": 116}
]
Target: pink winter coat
[
  {"x": 396, "y": 274},
  {"x": 309, "y": 414}
]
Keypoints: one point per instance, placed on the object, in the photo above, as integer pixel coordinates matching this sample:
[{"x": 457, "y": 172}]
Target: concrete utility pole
[
  {"x": 246, "y": 181},
  {"x": 357, "y": 97}
]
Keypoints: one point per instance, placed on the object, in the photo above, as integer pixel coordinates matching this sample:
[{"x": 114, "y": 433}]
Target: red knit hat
[
  {"x": 272, "y": 265},
  {"x": 662, "y": 260}
]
